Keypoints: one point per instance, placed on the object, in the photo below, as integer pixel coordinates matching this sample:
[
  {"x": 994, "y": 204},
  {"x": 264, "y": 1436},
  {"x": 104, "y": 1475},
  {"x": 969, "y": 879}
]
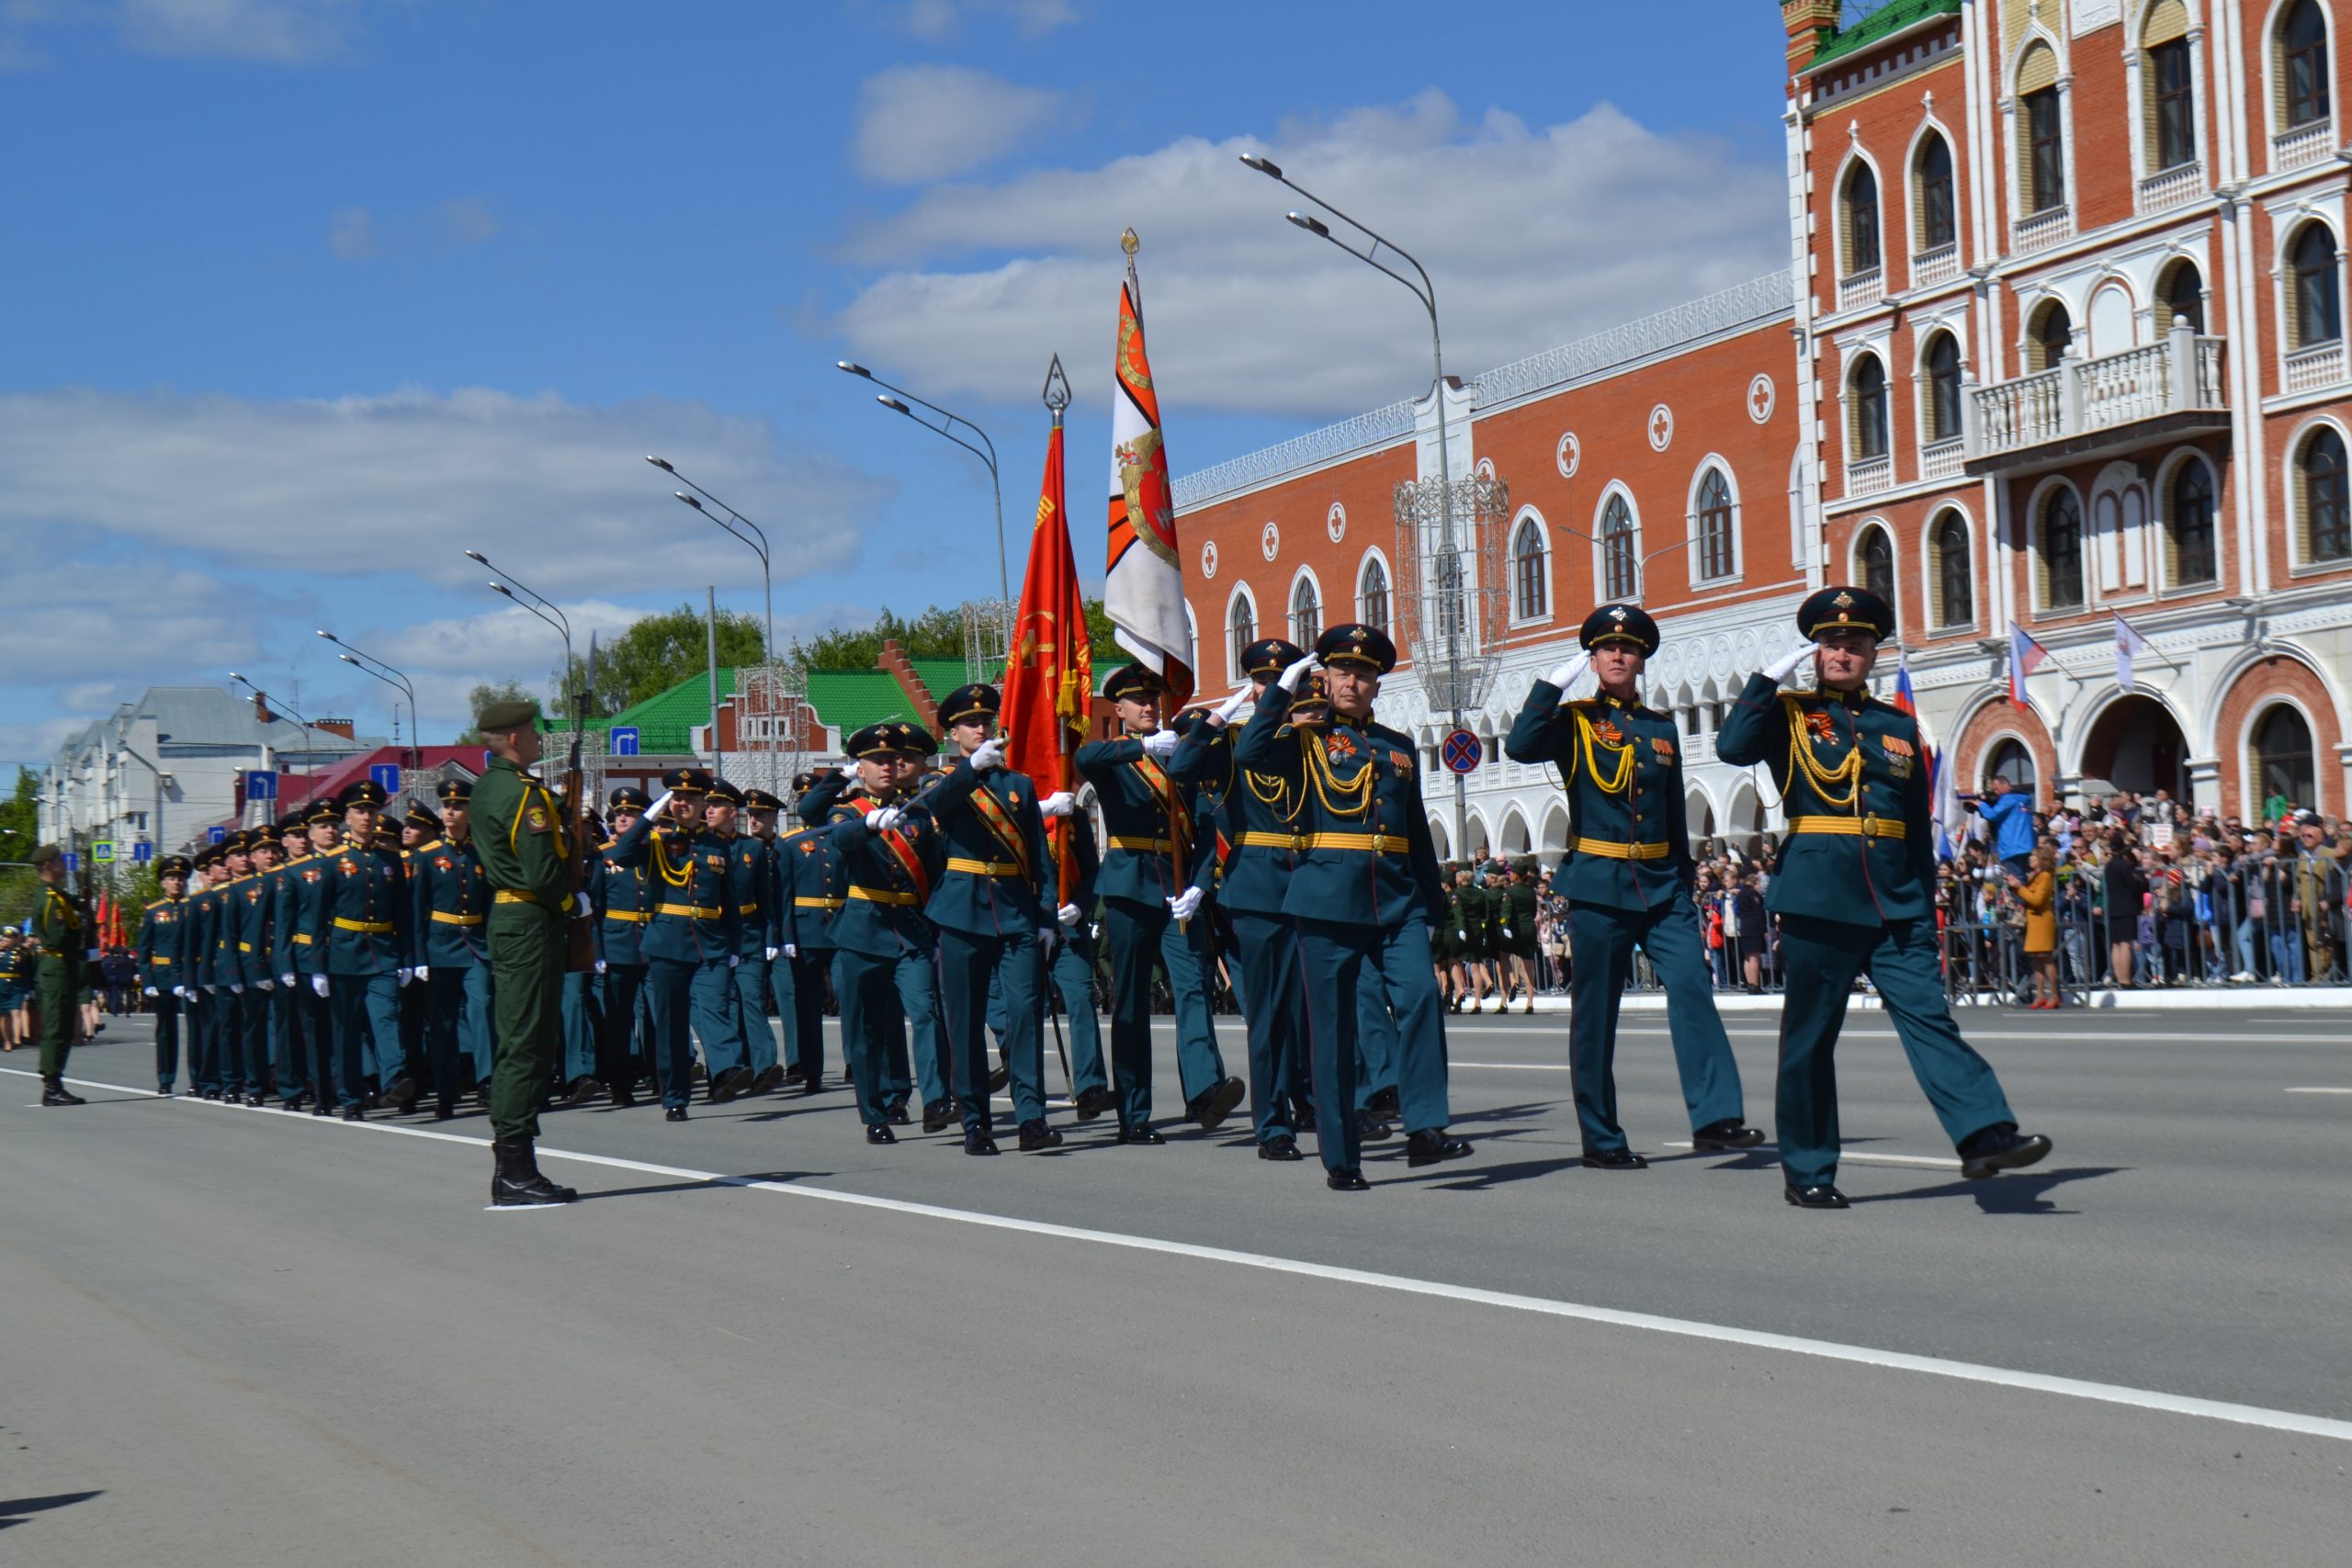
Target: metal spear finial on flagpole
[{"x": 1057, "y": 393}]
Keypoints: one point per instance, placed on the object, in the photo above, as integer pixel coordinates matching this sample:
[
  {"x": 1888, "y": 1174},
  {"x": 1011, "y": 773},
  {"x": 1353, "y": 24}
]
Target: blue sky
[{"x": 303, "y": 296}]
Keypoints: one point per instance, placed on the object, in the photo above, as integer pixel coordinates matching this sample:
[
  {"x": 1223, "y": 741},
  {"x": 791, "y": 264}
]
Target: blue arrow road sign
[
  {"x": 142, "y": 853},
  {"x": 214, "y": 835},
  {"x": 73, "y": 860},
  {"x": 624, "y": 741},
  {"x": 261, "y": 784},
  {"x": 387, "y": 776}
]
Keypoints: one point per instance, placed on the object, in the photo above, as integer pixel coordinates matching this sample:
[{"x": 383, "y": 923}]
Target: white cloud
[
  {"x": 920, "y": 123},
  {"x": 273, "y": 32},
  {"x": 358, "y": 233},
  {"x": 557, "y": 491},
  {"x": 939, "y": 20},
  {"x": 104, "y": 627},
  {"x": 351, "y": 234},
  {"x": 1533, "y": 236}
]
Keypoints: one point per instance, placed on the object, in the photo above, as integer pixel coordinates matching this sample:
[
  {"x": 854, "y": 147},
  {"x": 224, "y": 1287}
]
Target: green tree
[
  {"x": 655, "y": 654},
  {"x": 937, "y": 632},
  {"x": 481, "y": 697},
  {"x": 19, "y": 819}
]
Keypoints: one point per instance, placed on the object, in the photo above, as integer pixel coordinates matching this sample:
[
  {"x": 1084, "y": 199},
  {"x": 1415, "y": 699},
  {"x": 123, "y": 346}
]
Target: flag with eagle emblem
[{"x": 1144, "y": 591}]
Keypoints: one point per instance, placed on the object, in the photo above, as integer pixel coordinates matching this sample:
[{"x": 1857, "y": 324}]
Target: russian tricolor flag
[
  {"x": 1944, "y": 797},
  {"x": 2026, "y": 656}
]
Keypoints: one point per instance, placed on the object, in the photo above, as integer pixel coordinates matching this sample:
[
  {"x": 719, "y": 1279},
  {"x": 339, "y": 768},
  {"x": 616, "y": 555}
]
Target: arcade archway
[{"x": 2136, "y": 744}]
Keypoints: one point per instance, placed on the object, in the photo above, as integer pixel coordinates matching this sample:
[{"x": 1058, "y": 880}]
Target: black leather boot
[{"x": 518, "y": 1184}]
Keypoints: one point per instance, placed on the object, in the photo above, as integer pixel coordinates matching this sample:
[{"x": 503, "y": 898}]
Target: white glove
[
  {"x": 661, "y": 803},
  {"x": 1292, "y": 679},
  {"x": 792, "y": 950},
  {"x": 883, "y": 819},
  {"x": 406, "y": 974},
  {"x": 1069, "y": 915},
  {"x": 287, "y": 979},
  {"x": 1061, "y": 803},
  {"x": 266, "y": 984},
  {"x": 1462, "y": 936},
  {"x": 989, "y": 756},
  {"x": 1230, "y": 709},
  {"x": 180, "y": 992},
  {"x": 600, "y": 967},
  {"x": 772, "y": 952},
  {"x": 154, "y": 992},
  {"x": 1781, "y": 669},
  {"x": 1159, "y": 743},
  {"x": 845, "y": 770},
  {"x": 424, "y": 972},
  {"x": 1047, "y": 936},
  {"x": 1566, "y": 675},
  {"x": 319, "y": 984},
  {"x": 236, "y": 990},
  {"x": 733, "y": 960},
  {"x": 1184, "y": 903},
  {"x": 581, "y": 908},
  {"x": 210, "y": 989}
]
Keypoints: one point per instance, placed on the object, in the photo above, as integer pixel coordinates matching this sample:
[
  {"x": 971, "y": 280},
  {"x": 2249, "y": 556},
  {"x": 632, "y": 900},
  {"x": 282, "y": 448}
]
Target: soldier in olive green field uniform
[{"x": 61, "y": 932}]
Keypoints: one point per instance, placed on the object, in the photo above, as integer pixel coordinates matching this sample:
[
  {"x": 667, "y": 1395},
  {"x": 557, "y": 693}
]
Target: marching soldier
[
  {"x": 289, "y": 1054},
  {"x": 883, "y": 946},
  {"x": 61, "y": 933},
  {"x": 624, "y": 905},
  {"x": 1365, "y": 895},
  {"x": 1072, "y": 965},
  {"x": 993, "y": 919},
  {"x": 1519, "y": 903},
  {"x": 269, "y": 1070},
  {"x": 1260, "y": 814},
  {"x": 755, "y": 982},
  {"x": 359, "y": 955},
  {"x": 203, "y": 995},
  {"x": 302, "y": 910},
  {"x": 1148, "y": 912},
  {"x": 1629, "y": 880},
  {"x": 526, "y": 858},
  {"x": 746, "y": 892},
  {"x": 690, "y": 942},
  {"x": 811, "y": 883},
  {"x": 419, "y": 826},
  {"x": 451, "y": 921},
  {"x": 1855, "y": 894},
  {"x": 160, "y": 972}
]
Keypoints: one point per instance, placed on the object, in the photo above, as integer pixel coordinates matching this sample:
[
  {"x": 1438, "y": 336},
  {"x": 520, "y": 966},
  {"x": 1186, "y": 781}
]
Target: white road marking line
[
  {"x": 1825, "y": 1350},
  {"x": 2320, "y": 1091},
  {"x": 1922, "y": 1162}
]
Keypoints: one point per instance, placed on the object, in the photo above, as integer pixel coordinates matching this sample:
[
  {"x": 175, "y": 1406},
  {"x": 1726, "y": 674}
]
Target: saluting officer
[
  {"x": 358, "y": 953},
  {"x": 691, "y": 939},
  {"x": 1365, "y": 895},
  {"x": 755, "y": 982},
  {"x": 995, "y": 919},
  {"x": 883, "y": 958},
  {"x": 452, "y": 925},
  {"x": 61, "y": 932},
  {"x": 623, "y": 901},
  {"x": 1855, "y": 894},
  {"x": 1257, "y": 827},
  {"x": 1629, "y": 880},
  {"x": 161, "y": 973},
  {"x": 1148, "y": 911}
]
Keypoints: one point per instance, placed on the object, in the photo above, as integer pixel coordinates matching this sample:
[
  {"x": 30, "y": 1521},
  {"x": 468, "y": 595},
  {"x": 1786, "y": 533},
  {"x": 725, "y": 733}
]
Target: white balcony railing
[
  {"x": 1864, "y": 475},
  {"x": 2308, "y": 369},
  {"x": 1938, "y": 265},
  {"x": 2042, "y": 231},
  {"x": 1943, "y": 460},
  {"x": 2180, "y": 374},
  {"x": 1861, "y": 289},
  {"x": 2305, "y": 145},
  {"x": 2168, "y": 189}
]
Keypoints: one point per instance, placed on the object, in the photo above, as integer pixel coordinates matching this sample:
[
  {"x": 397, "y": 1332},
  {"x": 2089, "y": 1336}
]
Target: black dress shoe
[
  {"x": 1140, "y": 1133},
  {"x": 1371, "y": 1129},
  {"x": 895, "y": 1113},
  {"x": 1214, "y": 1104},
  {"x": 1093, "y": 1103},
  {"x": 1430, "y": 1147},
  {"x": 165, "y": 1089},
  {"x": 998, "y": 1079},
  {"x": 1726, "y": 1135},
  {"x": 400, "y": 1097},
  {"x": 1614, "y": 1159},
  {"x": 815, "y": 1085},
  {"x": 256, "y": 1099},
  {"x": 1284, "y": 1147},
  {"x": 1035, "y": 1135},
  {"x": 623, "y": 1097},
  {"x": 767, "y": 1078},
  {"x": 937, "y": 1115},
  {"x": 579, "y": 1091},
  {"x": 979, "y": 1142},
  {"x": 674, "y": 1113},
  {"x": 880, "y": 1134},
  {"x": 729, "y": 1084},
  {"x": 290, "y": 1106},
  {"x": 1384, "y": 1105},
  {"x": 1347, "y": 1178},
  {"x": 443, "y": 1111},
  {"x": 323, "y": 1108},
  {"x": 2000, "y": 1147},
  {"x": 794, "y": 1073},
  {"x": 53, "y": 1092},
  {"x": 211, "y": 1094},
  {"x": 1814, "y": 1197},
  {"x": 353, "y": 1113}
]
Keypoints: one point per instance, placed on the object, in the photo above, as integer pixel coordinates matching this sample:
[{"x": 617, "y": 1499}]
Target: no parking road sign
[{"x": 1462, "y": 752}]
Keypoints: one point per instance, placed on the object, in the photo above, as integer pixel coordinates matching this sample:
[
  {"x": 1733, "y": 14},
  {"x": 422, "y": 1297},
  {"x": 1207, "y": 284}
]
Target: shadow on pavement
[
  {"x": 13, "y": 1509},
  {"x": 2024, "y": 1193}
]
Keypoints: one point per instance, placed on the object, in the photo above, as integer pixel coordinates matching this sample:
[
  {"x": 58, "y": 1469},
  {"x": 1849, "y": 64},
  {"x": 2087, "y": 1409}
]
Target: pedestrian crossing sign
[{"x": 102, "y": 852}]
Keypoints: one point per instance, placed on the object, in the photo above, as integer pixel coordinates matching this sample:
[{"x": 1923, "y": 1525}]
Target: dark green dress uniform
[
  {"x": 452, "y": 924},
  {"x": 158, "y": 948},
  {"x": 1519, "y": 922},
  {"x": 994, "y": 925},
  {"x": 1629, "y": 880},
  {"x": 61, "y": 933},
  {"x": 747, "y": 894},
  {"x": 520, "y": 840},
  {"x": 1142, "y": 806},
  {"x": 811, "y": 888},
  {"x": 1072, "y": 967},
  {"x": 301, "y": 898},
  {"x": 244, "y": 966},
  {"x": 1855, "y": 894},
  {"x": 759, "y": 967},
  {"x": 884, "y": 946},
  {"x": 415, "y": 1000},
  {"x": 360, "y": 941},
  {"x": 688, "y": 945},
  {"x": 196, "y": 947},
  {"x": 1365, "y": 894},
  {"x": 289, "y": 1058},
  {"x": 1257, "y": 816},
  {"x": 623, "y": 901}
]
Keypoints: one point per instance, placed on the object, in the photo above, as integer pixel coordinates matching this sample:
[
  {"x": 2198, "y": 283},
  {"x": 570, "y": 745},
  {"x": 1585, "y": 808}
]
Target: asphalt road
[{"x": 235, "y": 1336}]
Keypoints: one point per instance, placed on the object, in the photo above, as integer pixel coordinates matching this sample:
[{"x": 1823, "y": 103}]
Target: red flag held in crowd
[{"x": 1050, "y": 673}]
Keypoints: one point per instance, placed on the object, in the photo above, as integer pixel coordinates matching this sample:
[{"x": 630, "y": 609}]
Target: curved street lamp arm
[
  {"x": 951, "y": 418},
  {"x": 761, "y": 547}
]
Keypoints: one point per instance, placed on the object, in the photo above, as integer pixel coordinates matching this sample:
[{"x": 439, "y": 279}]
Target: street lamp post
[
  {"x": 308, "y": 756},
  {"x": 384, "y": 672},
  {"x": 734, "y": 522},
  {"x": 1450, "y": 577},
  {"x": 540, "y": 605},
  {"x": 895, "y": 404}
]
